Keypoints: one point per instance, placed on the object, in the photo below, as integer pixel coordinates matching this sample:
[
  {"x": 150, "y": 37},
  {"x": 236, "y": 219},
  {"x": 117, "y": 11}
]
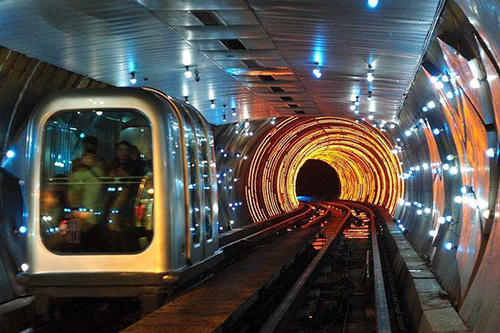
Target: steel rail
[
  {"x": 383, "y": 320},
  {"x": 279, "y": 315}
]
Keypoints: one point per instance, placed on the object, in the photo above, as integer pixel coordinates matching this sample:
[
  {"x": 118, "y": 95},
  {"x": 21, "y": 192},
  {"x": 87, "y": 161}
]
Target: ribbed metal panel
[{"x": 23, "y": 82}]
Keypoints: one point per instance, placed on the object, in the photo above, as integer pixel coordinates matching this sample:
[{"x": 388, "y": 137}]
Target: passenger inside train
[{"x": 97, "y": 193}]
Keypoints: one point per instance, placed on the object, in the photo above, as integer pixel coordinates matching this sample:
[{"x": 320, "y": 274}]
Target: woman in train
[{"x": 127, "y": 169}]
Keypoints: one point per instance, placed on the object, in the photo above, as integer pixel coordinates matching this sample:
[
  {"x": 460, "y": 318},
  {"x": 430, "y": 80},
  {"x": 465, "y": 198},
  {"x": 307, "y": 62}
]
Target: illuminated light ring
[{"x": 360, "y": 154}]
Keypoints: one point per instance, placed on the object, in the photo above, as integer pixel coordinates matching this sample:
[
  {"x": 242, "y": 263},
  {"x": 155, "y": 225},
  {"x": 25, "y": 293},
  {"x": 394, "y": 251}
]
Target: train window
[
  {"x": 194, "y": 196},
  {"x": 97, "y": 182},
  {"x": 204, "y": 160}
]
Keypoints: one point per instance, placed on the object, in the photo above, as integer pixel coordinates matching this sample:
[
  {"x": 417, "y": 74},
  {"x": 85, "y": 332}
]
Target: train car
[{"x": 121, "y": 194}]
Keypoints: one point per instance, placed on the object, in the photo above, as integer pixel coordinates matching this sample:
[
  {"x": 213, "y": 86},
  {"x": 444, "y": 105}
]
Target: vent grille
[
  {"x": 286, "y": 98},
  {"x": 293, "y": 106},
  {"x": 299, "y": 112},
  {"x": 277, "y": 89},
  {"x": 250, "y": 63},
  {"x": 267, "y": 78},
  {"x": 207, "y": 17},
  {"x": 233, "y": 44}
]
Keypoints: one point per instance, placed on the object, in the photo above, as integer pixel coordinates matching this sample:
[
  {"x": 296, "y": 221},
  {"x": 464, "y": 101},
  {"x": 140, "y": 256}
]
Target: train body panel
[{"x": 173, "y": 224}]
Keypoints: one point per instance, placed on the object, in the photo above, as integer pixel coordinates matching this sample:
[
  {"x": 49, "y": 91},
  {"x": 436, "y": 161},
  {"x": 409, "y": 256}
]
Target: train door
[
  {"x": 195, "y": 252},
  {"x": 209, "y": 186}
]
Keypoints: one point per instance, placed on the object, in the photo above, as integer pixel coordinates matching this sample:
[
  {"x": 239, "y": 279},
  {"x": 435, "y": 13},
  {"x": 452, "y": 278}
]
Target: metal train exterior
[{"x": 97, "y": 225}]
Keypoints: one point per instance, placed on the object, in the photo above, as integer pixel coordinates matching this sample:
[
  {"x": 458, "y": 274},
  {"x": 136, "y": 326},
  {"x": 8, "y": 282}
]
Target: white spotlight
[
  {"x": 474, "y": 83},
  {"x": 10, "y": 153},
  {"x": 188, "y": 74},
  {"x": 133, "y": 80},
  {"x": 453, "y": 170}
]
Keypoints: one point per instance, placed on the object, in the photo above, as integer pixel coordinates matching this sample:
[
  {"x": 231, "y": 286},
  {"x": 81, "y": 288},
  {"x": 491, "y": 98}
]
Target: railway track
[
  {"x": 239, "y": 297},
  {"x": 343, "y": 288}
]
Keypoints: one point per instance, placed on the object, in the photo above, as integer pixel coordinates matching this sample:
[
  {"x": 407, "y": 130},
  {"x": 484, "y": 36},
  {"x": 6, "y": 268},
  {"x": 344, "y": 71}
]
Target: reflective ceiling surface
[{"x": 256, "y": 56}]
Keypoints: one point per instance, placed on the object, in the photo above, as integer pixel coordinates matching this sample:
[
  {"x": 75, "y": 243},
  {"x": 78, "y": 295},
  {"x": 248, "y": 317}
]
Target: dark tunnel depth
[{"x": 317, "y": 180}]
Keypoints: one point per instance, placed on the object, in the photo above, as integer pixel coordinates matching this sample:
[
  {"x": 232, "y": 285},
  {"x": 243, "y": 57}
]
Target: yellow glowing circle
[{"x": 360, "y": 154}]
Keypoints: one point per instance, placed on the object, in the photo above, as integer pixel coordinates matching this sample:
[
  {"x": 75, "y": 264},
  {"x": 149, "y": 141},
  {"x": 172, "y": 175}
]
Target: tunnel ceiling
[{"x": 256, "y": 56}]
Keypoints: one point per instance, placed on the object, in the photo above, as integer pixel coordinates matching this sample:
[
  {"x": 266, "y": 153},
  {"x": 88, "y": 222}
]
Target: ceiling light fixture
[
  {"x": 133, "y": 80},
  {"x": 10, "y": 153},
  {"x": 490, "y": 152},
  {"x": 372, "y": 3},
  {"x": 474, "y": 83},
  {"x": 370, "y": 76},
  {"x": 188, "y": 74},
  {"x": 317, "y": 70}
]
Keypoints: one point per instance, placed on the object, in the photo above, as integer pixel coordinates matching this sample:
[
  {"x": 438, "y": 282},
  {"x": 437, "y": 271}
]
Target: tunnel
[
  {"x": 257, "y": 112},
  {"x": 317, "y": 180}
]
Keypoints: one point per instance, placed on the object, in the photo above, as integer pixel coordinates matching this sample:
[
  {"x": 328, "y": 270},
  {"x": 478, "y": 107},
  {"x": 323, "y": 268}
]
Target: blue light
[
  {"x": 318, "y": 58},
  {"x": 448, "y": 246},
  {"x": 372, "y": 3},
  {"x": 10, "y": 153},
  {"x": 23, "y": 229},
  {"x": 436, "y": 131},
  {"x": 82, "y": 135}
]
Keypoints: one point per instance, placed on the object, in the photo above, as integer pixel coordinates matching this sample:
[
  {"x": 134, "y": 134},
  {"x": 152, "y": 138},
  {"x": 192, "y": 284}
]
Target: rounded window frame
[{"x": 42, "y": 127}]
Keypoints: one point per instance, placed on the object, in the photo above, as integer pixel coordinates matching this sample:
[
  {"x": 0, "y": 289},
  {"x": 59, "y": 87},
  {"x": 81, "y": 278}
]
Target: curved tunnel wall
[
  {"x": 360, "y": 154},
  {"x": 450, "y": 215},
  {"x": 447, "y": 140},
  {"x": 448, "y": 131},
  {"x": 258, "y": 163}
]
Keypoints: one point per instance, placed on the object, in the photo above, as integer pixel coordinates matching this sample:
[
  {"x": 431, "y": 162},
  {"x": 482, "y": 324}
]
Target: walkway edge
[{"x": 429, "y": 311}]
